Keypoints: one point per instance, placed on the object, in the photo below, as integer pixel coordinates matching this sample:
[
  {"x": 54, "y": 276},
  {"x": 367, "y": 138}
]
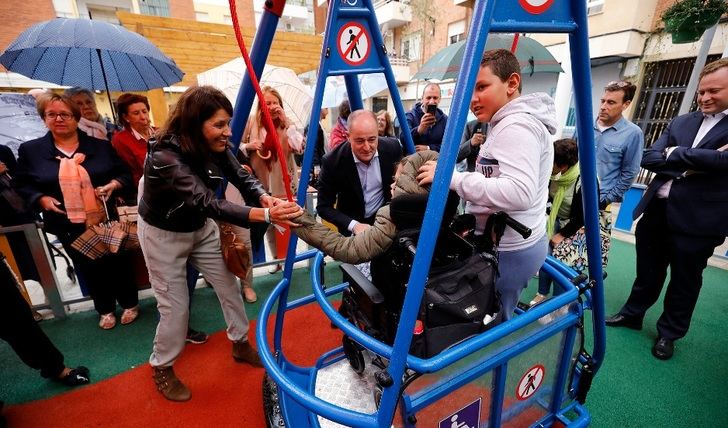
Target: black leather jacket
[{"x": 178, "y": 198}]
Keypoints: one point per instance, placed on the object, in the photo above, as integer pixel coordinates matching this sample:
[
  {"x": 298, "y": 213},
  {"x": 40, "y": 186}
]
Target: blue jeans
[{"x": 516, "y": 268}]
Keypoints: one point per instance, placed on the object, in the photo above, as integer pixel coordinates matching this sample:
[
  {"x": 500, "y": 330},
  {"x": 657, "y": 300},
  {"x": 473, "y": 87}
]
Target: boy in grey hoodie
[{"x": 512, "y": 170}]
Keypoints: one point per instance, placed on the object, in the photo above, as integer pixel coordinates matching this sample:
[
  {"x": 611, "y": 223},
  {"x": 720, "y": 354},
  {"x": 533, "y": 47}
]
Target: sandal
[
  {"x": 107, "y": 321},
  {"x": 129, "y": 315},
  {"x": 249, "y": 294}
]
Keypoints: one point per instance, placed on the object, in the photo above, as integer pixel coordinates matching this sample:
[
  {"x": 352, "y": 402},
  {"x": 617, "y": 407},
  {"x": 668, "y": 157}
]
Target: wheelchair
[{"x": 460, "y": 299}]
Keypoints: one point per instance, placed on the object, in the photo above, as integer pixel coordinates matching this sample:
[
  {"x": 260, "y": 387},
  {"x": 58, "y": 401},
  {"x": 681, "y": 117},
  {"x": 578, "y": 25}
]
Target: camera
[{"x": 431, "y": 108}]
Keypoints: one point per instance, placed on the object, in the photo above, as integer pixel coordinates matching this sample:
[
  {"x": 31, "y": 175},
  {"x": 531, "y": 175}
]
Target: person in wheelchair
[{"x": 460, "y": 298}]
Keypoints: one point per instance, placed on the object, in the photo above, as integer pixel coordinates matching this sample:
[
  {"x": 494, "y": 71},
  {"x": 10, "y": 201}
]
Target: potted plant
[{"x": 686, "y": 20}]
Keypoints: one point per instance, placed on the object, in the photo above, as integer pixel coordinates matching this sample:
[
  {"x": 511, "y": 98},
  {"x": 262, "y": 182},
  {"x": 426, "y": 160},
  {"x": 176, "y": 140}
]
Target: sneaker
[
  {"x": 169, "y": 385},
  {"x": 196, "y": 337},
  {"x": 275, "y": 268},
  {"x": 244, "y": 353},
  {"x": 538, "y": 299},
  {"x": 75, "y": 377}
]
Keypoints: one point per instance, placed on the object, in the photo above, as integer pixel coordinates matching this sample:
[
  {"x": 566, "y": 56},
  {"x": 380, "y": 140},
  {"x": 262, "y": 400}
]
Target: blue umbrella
[{"x": 90, "y": 54}]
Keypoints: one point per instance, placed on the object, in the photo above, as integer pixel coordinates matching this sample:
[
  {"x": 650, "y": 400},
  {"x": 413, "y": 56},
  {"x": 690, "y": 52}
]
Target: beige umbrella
[{"x": 296, "y": 96}]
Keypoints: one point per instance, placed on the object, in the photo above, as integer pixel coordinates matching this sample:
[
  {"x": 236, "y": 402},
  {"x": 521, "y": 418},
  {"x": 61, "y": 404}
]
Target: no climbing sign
[
  {"x": 536, "y": 6},
  {"x": 354, "y": 43}
]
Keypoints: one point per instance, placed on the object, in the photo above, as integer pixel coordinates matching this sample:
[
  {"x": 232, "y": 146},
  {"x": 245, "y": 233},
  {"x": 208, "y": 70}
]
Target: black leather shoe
[
  {"x": 619, "y": 320},
  {"x": 663, "y": 348}
]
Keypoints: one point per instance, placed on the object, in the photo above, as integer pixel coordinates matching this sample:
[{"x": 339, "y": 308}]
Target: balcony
[
  {"x": 392, "y": 13},
  {"x": 400, "y": 69}
]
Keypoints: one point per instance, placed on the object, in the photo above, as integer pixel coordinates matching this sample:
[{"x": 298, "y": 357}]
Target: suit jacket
[
  {"x": 698, "y": 199},
  {"x": 466, "y": 150},
  {"x": 339, "y": 183}
]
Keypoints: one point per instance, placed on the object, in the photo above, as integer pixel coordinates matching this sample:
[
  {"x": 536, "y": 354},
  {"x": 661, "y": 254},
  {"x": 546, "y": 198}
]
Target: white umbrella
[
  {"x": 296, "y": 96},
  {"x": 335, "y": 89}
]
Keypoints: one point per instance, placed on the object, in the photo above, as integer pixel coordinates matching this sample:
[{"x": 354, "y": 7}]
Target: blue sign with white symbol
[{"x": 467, "y": 417}]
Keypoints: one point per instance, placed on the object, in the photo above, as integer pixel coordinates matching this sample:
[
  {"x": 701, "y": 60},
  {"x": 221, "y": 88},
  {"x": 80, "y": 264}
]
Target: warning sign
[
  {"x": 467, "y": 417},
  {"x": 354, "y": 43},
  {"x": 530, "y": 382},
  {"x": 536, "y": 6}
]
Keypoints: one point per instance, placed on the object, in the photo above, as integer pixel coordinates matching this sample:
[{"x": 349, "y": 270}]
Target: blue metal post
[
  {"x": 258, "y": 56},
  {"x": 353, "y": 91},
  {"x": 482, "y": 16},
  {"x": 581, "y": 72}
]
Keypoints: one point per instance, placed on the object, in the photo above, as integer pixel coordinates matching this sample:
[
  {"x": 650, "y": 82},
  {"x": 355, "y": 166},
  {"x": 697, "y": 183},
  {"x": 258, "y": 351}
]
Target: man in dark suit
[
  {"x": 684, "y": 209},
  {"x": 473, "y": 138},
  {"x": 356, "y": 175}
]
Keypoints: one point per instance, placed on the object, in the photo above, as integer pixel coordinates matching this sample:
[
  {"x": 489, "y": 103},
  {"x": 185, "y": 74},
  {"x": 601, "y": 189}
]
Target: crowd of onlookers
[{"x": 84, "y": 167}]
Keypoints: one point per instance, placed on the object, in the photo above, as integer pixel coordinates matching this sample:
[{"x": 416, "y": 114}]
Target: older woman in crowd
[
  {"x": 131, "y": 142},
  {"x": 384, "y": 124},
  {"x": 177, "y": 207},
  {"x": 64, "y": 174},
  {"x": 91, "y": 122},
  {"x": 265, "y": 163},
  {"x": 339, "y": 132}
]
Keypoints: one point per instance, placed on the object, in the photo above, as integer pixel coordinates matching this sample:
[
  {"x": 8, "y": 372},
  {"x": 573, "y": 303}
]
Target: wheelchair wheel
[{"x": 354, "y": 354}]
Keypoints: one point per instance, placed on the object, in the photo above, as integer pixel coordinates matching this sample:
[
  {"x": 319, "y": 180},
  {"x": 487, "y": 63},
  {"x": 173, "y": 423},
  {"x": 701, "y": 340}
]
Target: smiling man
[
  {"x": 356, "y": 175},
  {"x": 619, "y": 143},
  {"x": 684, "y": 209}
]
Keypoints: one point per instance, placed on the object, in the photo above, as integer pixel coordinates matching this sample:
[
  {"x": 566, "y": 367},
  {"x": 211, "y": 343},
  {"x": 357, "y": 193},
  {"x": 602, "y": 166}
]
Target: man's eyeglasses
[{"x": 53, "y": 115}]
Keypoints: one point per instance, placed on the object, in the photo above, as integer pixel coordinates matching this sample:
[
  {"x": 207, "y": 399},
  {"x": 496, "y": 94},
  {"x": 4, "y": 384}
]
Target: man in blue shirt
[
  {"x": 619, "y": 143},
  {"x": 426, "y": 121}
]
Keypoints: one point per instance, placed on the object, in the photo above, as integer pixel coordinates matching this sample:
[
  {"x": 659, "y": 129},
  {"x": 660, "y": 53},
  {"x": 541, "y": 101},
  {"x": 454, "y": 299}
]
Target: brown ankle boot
[
  {"x": 244, "y": 353},
  {"x": 169, "y": 385}
]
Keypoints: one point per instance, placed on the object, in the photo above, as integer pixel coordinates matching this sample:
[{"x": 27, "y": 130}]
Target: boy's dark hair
[
  {"x": 344, "y": 109},
  {"x": 628, "y": 89},
  {"x": 502, "y": 63},
  {"x": 566, "y": 152}
]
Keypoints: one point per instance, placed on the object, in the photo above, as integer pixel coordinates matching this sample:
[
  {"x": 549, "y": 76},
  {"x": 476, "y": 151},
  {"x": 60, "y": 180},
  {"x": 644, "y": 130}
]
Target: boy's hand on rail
[{"x": 426, "y": 173}]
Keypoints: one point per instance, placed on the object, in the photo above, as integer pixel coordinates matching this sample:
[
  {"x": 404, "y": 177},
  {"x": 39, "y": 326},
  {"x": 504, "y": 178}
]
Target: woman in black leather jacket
[{"x": 182, "y": 172}]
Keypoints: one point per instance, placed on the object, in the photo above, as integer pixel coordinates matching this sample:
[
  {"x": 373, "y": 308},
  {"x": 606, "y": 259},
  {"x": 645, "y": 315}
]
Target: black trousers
[
  {"x": 109, "y": 278},
  {"x": 687, "y": 256},
  {"x": 19, "y": 329}
]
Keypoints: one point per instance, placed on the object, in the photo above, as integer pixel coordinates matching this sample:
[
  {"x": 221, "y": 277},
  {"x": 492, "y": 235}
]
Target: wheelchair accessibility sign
[
  {"x": 530, "y": 382},
  {"x": 467, "y": 417},
  {"x": 354, "y": 43}
]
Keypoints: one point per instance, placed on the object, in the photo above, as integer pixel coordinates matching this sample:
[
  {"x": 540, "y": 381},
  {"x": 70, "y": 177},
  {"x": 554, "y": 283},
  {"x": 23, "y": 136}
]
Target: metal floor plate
[{"x": 340, "y": 385}]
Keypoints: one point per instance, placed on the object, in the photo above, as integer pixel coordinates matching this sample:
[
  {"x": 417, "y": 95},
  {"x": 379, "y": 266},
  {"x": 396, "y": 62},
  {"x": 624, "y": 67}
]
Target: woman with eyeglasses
[
  {"x": 184, "y": 169},
  {"x": 65, "y": 175}
]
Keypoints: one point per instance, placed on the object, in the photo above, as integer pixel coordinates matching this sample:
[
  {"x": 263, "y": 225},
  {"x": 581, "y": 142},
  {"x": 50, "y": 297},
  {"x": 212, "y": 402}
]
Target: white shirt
[
  {"x": 709, "y": 121},
  {"x": 370, "y": 177}
]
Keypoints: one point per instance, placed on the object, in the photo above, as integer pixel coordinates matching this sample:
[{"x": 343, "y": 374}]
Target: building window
[
  {"x": 455, "y": 32},
  {"x": 411, "y": 46},
  {"x": 154, "y": 7},
  {"x": 227, "y": 19},
  {"x": 594, "y": 6},
  {"x": 202, "y": 16}
]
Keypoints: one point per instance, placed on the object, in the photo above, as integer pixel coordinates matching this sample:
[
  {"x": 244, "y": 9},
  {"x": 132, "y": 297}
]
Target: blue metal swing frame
[{"x": 296, "y": 384}]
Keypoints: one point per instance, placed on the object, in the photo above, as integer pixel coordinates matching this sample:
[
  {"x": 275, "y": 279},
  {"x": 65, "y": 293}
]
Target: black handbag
[{"x": 460, "y": 300}]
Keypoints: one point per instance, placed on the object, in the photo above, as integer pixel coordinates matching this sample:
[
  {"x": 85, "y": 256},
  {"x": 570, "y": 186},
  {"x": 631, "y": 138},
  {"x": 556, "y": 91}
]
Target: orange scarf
[{"x": 79, "y": 198}]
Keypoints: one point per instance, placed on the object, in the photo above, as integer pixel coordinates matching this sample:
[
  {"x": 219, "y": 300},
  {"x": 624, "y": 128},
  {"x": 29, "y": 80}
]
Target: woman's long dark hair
[{"x": 194, "y": 107}]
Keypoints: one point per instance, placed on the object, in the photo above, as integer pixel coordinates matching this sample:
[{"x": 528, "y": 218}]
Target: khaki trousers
[{"x": 166, "y": 254}]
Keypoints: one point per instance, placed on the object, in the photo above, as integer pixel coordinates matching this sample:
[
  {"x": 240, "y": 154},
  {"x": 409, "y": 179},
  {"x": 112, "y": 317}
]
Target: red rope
[
  {"x": 514, "y": 46},
  {"x": 271, "y": 139}
]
